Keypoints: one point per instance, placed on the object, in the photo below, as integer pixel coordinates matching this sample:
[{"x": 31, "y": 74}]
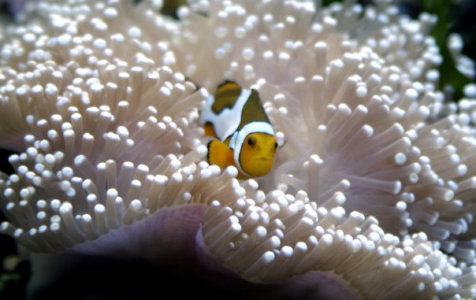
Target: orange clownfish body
[{"x": 244, "y": 137}]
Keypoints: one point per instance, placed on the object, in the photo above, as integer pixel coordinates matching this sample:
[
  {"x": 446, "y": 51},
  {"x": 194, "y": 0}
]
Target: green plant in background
[{"x": 449, "y": 74}]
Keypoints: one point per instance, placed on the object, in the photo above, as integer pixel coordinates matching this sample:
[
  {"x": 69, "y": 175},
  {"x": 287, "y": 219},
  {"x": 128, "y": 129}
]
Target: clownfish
[{"x": 243, "y": 136}]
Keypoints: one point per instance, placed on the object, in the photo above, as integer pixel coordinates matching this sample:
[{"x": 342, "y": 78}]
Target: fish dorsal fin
[
  {"x": 225, "y": 96},
  {"x": 253, "y": 110}
]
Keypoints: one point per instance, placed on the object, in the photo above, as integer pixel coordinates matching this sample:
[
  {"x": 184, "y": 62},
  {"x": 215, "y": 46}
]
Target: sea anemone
[{"x": 373, "y": 184}]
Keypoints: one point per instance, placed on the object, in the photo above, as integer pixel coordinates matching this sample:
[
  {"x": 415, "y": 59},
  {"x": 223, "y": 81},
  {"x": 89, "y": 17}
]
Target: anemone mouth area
[
  {"x": 144, "y": 240},
  {"x": 124, "y": 257},
  {"x": 320, "y": 285},
  {"x": 105, "y": 277}
]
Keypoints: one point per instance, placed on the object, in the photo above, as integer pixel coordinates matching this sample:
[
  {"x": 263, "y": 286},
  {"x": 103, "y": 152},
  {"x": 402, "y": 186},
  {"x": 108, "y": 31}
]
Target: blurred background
[{"x": 454, "y": 16}]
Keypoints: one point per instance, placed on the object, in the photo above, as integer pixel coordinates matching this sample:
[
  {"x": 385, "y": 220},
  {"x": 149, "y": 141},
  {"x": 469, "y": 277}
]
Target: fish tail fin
[{"x": 219, "y": 154}]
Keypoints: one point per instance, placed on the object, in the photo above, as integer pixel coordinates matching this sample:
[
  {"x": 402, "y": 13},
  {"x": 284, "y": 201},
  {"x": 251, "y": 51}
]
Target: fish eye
[
  {"x": 251, "y": 141},
  {"x": 275, "y": 145}
]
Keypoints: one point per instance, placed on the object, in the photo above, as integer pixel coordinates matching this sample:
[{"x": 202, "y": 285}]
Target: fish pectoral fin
[{"x": 219, "y": 154}]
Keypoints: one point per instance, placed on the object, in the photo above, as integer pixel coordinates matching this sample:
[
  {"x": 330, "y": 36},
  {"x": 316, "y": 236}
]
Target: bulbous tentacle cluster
[{"x": 373, "y": 181}]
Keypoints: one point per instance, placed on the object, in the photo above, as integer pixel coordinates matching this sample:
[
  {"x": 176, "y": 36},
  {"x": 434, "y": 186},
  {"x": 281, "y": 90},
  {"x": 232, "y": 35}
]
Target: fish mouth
[{"x": 262, "y": 158}]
